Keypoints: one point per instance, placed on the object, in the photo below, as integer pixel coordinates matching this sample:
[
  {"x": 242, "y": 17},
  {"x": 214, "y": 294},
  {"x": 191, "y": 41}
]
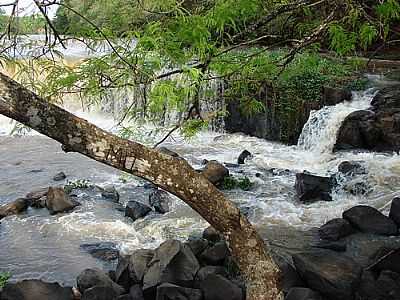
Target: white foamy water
[{"x": 29, "y": 162}]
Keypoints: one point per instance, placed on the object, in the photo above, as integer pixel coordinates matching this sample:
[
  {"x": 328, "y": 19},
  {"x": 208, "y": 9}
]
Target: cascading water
[{"x": 44, "y": 246}]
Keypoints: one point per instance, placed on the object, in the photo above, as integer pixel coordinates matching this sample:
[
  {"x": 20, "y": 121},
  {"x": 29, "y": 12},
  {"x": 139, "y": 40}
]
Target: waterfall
[{"x": 320, "y": 132}]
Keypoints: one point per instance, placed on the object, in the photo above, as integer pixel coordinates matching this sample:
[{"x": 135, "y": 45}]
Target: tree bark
[{"x": 173, "y": 175}]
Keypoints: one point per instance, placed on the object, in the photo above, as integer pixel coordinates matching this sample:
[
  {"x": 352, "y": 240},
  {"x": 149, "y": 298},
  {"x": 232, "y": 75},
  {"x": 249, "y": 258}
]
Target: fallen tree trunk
[{"x": 173, "y": 175}]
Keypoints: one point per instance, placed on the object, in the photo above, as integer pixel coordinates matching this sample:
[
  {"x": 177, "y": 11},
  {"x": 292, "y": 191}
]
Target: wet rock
[
  {"x": 212, "y": 235},
  {"x": 215, "y": 172},
  {"x": 139, "y": 263},
  {"x": 216, "y": 254},
  {"x": 197, "y": 245},
  {"x": 203, "y": 273},
  {"x": 300, "y": 293},
  {"x": 122, "y": 275},
  {"x": 160, "y": 201},
  {"x": 37, "y": 194},
  {"x": 329, "y": 273},
  {"x": 242, "y": 157},
  {"x": 369, "y": 219},
  {"x": 369, "y": 289},
  {"x": 390, "y": 284},
  {"x": 352, "y": 168},
  {"x": 311, "y": 188},
  {"x": 106, "y": 251},
  {"x": 58, "y": 201},
  {"x": 99, "y": 293},
  {"x": 39, "y": 203},
  {"x": 166, "y": 151},
  {"x": 136, "y": 210},
  {"x": 59, "y": 176},
  {"x": 334, "y": 95},
  {"x": 335, "y": 229},
  {"x": 172, "y": 291},
  {"x": 389, "y": 261},
  {"x": 358, "y": 187},
  {"x": 13, "y": 208},
  {"x": 338, "y": 246},
  {"x": 94, "y": 277},
  {"x": 174, "y": 263},
  {"x": 136, "y": 292},
  {"x": 395, "y": 211},
  {"x": 110, "y": 192},
  {"x": 377, "y": 129},
  {"x": 217, "y": 287},
  {"x": 290, "y": 277},
  {"x": 35, "y": 290}
]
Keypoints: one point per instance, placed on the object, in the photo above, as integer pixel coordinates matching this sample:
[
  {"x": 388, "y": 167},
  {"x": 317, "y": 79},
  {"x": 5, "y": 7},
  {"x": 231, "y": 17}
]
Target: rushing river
[{"x": 37, "y": 245}]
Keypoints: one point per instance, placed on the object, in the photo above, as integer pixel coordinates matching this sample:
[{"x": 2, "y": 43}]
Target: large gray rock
[
  {"x": 216, "y": 254},
  {"x": 138, "y": 264},
  {"x": 311, "y": 188},
  {"x": 13, "y": 208},
  {"x": 370, "y": 220},
  {"x": 136, "y": 210},
  {"x": 35, "y": 290},
  {"x": 215, "y": 172},
  {"x": 58, "y": 201},
  {"x": 110, "y": 192},
  {"x": 173, "y": 262},
  {"x": 335, "y": 229},
  {"x": 94, "y": 277},
  {"x": 160, "y": 201},
  {"x": 333, "y": 275}
]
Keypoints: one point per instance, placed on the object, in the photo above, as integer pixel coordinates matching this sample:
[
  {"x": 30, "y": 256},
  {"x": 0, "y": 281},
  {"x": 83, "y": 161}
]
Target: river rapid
[{"x": 37, "y": 245}]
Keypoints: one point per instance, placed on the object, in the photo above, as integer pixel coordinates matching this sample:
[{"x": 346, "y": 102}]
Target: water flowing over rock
[
  {"x": 160, "y": 201},
  {"x": 110, "y": 192},
  {"x": 311, "y": 188},
  {"x": 377, "y": 129},
  {"x": 136, "y": 210},
  {"x": 104, "y": 251}
]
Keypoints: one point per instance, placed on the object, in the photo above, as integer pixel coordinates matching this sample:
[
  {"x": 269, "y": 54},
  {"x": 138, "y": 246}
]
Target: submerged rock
[
  {"x": 136, "y": 210},
  {"x": 333, "y": 275},
  {"x": 59, "y": 176},
  {"x": 242, "y": 157},
  {"x": 160, "y": 200},
  {"x": 110, "y": 192},
  {"x": 104, "y": 251},
  {"x": 352, "y": 168},
  {"x": 311, "y": 188},
  {"x": 13, "y": 208},
  {"x": 215, "y": 172},
  {"x": 370, "y": 220},
  {"x": 35, "y": 290},
  {"x": 58, "y": 201}
]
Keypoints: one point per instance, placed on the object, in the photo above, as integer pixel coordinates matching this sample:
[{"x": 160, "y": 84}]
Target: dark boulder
[
  {"x": 300, "y": 293},
  {"x": 160, "y": 201},
  {"x": 333, "y": 275},
  {"x": 58, "y": 201},
  {"x": 338, "y": 246},
  {"x": 37, "y": 194},
  {"x": 203, "y": 273},
  {"x": 290, "y": 277},
  {"x": 389, "y": 261},
  {"x": 59, "y": 176},
  {"x": 173, "y": 262},
  {"x": 99, "y": 293},
  {"x": 370, "y": 220},
  {"x": 35, "y": 290},
  {"x": 122, "y": 275},
  {"x": 377, "y": 129},
  {"x": 335, "y": 229},
  {"x": 352, "y": 168},
  {"x": 369, "y": 289},
  {"x": 94, "y": 277},
  {"x": 136, "y": 292},
  {"x": 334, "y": 95},
  {"x": 311, "y": 188},
  {"x": 243, "y": 156},
  {"x": 216, "y": 254},
  {"x": 197, "y": 245},
  {"x": 215, "y": 172},
  {"x": 110, "y": 192},
  {"x": 217, "y": 287},
  {"x": 389, "y": 282},
  {"x": 175, "y": 292},
  {"x": 139, "y": 263},
  {"x": 211, "y": 234},
  {"x": 394, "y": 213},
  {"x": 13, "y": 208},
  {"x": 105, "y": 251},
  {"x": 136, "y": 210}
]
